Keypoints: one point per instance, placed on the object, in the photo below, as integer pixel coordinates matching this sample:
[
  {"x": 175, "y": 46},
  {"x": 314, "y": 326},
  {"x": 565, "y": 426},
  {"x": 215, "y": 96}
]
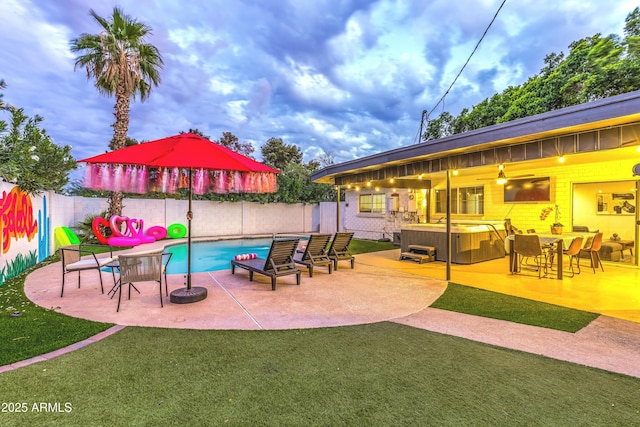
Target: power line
[{"x": 461, "y": 69}]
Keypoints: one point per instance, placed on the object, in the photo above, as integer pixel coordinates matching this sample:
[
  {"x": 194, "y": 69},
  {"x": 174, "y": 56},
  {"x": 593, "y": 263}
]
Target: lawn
[
  {"x": 376, "y": 375},
  {"x": 380, "y": 374}
]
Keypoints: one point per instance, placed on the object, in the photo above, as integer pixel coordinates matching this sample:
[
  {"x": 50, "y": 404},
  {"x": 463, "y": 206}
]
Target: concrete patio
[{"x": 379, "y": 288}]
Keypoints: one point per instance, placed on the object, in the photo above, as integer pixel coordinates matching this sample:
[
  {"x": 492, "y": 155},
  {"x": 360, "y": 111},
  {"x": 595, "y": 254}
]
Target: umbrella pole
[
  {"x": 188, "y": 295},
  {"x": 189, "y": 218}
]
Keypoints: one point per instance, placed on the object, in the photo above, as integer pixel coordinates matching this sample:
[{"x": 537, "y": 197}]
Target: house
[{"x": 574, "y": 166}]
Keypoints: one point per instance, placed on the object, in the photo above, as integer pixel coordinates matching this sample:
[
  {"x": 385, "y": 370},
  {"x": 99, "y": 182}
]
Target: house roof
[{"x": 495, "y": 144}]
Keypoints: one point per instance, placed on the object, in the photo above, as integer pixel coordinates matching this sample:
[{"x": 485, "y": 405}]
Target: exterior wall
[
  {"x": 27, "y": 222},
  {"x": 25, "y": 230},
  {"x": 563, "y": 177},
  {"x": 523, "y": 215},
  {"x": 378, "y": 226}
]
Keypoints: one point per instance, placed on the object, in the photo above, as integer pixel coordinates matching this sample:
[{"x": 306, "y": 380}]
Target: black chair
[
  {"x": 81, "y": 257},
  {"x": 315, "y": 253},
  {"x": 279, "y": 262}
]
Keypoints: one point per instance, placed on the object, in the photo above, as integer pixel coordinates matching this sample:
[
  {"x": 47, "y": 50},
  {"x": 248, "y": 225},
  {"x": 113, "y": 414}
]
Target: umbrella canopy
[
  {"x": 218, "y": 169},
  {"x": 187, "y": 150}
]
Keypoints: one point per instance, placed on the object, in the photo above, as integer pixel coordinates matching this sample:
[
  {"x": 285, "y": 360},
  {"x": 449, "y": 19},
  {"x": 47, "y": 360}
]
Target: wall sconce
[
  {"x": 455, "y": 172},
  {"x": 368, "y": 183},
  {"x": 502, "y": 178},
  {"x": 561, "y": 159}
]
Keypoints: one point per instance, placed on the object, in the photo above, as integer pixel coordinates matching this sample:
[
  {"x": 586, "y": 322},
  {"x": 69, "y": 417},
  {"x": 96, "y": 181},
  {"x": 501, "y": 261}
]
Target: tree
[
  {"x": 3, "y": 86},
  {"x": 231, "y": 141},
  {"x": 277, "y": 154},
  {"x": 596, "y": 67},
  {"x": 123, "y": 65},
  {"x": 29, "y": 157}
]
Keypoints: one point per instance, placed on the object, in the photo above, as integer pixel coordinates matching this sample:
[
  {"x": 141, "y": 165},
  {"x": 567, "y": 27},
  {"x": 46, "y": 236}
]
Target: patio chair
[
  {"x": 315, "y": 253},
  {"x": 279, "y": 262},
  {"x": 592, "y": 251},
  {"x": 528, "y": 246},
  {"x": 139, "y": 268},
  {"x": 81, "y": 257},
  {"x": 572, "y": 252},
  {"x": 339, "y": 249}
]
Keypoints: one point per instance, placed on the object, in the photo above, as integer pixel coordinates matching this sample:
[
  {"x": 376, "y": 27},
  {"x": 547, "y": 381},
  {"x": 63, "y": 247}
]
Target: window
[
  {"x": 372, "y": 203},
  {"x": 464, "y": 200}
]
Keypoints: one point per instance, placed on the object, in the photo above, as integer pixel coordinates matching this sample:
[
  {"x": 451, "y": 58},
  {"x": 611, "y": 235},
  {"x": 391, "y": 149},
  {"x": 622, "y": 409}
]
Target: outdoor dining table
[{"x": 560, "y": 241}]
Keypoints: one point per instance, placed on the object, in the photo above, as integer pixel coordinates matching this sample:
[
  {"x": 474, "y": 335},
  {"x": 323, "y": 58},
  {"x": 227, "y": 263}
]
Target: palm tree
[{"x": 123, "y": 65}]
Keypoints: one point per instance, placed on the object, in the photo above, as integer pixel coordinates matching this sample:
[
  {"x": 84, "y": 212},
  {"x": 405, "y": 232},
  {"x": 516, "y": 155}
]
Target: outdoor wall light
[
  {"x": 368, "y": 183},
  {"x": 561, "y": 159},
  {"x": 455, "y": 172},
  {"x": 377, "y": 188},
  {"x": 502, "y": 178}
]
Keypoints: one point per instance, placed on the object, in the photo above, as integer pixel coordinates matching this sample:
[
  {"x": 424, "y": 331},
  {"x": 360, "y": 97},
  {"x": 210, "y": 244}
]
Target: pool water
[{"x": 214, "y": 255}]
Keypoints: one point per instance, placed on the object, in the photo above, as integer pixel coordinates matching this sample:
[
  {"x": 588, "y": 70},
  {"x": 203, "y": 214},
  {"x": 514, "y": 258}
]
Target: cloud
[{"x": 347, "y": 77}]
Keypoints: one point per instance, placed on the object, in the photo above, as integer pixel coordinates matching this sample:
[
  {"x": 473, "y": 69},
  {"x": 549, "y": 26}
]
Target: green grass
[
  {"x": 479, "y": 302},
  {"x": 37, "y": 330},
  {"x": 361, "y": 246},
  {"x": 369, "y": 375}
]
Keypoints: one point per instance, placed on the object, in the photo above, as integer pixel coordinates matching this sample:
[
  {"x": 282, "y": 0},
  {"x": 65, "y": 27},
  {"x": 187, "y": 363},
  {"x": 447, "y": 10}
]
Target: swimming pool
[{"x": 214, "y": 255}]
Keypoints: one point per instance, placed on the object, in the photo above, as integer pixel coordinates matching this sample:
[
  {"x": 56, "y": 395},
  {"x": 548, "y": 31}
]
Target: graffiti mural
[{"x": 17, "y": 221}]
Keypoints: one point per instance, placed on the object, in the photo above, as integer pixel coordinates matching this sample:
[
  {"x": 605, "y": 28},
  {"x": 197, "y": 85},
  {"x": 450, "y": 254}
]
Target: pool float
[
  {"x": 95, "y": 226},
  {"x": 136, "y": 230},
  {"x": 158, "y": 232},
  {"x": 176, "y": 231},
  {"x": 123, "y": 241},
  {"x": 64, "y": 236}
]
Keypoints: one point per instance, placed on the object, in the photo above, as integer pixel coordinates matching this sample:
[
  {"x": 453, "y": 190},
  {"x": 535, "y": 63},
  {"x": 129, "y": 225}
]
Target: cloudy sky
[{"x": 350, "y": 77}]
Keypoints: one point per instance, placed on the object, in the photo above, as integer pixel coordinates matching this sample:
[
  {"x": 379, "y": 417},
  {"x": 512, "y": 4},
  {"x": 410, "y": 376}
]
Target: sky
[{"x": 349, "y": 78}]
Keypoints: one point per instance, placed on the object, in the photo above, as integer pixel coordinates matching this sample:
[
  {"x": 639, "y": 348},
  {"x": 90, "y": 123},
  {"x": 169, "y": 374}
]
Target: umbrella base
[{"x": 188, "y": 296}]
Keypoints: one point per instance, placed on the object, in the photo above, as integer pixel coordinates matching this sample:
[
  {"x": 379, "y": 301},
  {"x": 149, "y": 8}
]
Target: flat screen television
[{"x": 534, "y": 189}]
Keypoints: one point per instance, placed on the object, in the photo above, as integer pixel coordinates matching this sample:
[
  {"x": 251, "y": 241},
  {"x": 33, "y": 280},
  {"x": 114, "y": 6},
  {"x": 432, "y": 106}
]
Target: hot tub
[{"x": 471, "y": 242}]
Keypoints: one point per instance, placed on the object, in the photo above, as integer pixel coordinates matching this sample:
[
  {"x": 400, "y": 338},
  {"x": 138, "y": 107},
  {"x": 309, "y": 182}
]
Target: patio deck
[{"x": 380, "y": 288}]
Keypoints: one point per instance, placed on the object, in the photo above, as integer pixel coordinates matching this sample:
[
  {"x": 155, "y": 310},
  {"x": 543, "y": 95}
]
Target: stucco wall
[{"x": 28, "y": 222}]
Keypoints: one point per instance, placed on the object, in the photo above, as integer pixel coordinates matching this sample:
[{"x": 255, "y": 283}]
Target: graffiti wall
[{"x": 24, "y": 230}]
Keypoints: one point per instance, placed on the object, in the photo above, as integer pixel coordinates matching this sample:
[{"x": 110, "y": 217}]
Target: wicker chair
[{"x": 139, "y": 268}]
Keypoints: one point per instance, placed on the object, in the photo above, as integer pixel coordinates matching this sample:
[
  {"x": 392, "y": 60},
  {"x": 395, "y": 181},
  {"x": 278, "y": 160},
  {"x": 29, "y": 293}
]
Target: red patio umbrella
[{"x": 173, "y": 159}]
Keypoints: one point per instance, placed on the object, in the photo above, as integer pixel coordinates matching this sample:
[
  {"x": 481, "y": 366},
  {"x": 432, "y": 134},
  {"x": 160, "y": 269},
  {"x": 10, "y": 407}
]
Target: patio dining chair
[
  {"x": 339, "y": 249},
  {"x": 80, "y": 258},
  {"x": 136, "y": 268},
  {"x": 592, "y": 251},
  {"x": 528, "y": 246},
  {"x": 315, "y": 253},
  {"x": 573, "y": 252}
]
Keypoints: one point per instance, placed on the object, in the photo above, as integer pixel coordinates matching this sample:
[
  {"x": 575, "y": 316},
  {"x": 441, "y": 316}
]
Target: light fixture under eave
[
  {"x": 502, "y": 178},
  {"x": 561, "y": 159}
]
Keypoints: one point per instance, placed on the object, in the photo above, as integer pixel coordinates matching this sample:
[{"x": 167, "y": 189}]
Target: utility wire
[{"x": 461, "y": 69}]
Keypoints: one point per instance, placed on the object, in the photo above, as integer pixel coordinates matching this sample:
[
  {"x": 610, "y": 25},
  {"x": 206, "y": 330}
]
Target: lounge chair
[
  {"x": 339, "y": 249},
  {"x": 315, "y": 253},
  {"x": 279, "y": 262}
]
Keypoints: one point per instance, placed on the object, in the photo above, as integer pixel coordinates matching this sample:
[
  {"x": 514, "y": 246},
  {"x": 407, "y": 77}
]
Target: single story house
[{"x": 576, "y": 166}]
